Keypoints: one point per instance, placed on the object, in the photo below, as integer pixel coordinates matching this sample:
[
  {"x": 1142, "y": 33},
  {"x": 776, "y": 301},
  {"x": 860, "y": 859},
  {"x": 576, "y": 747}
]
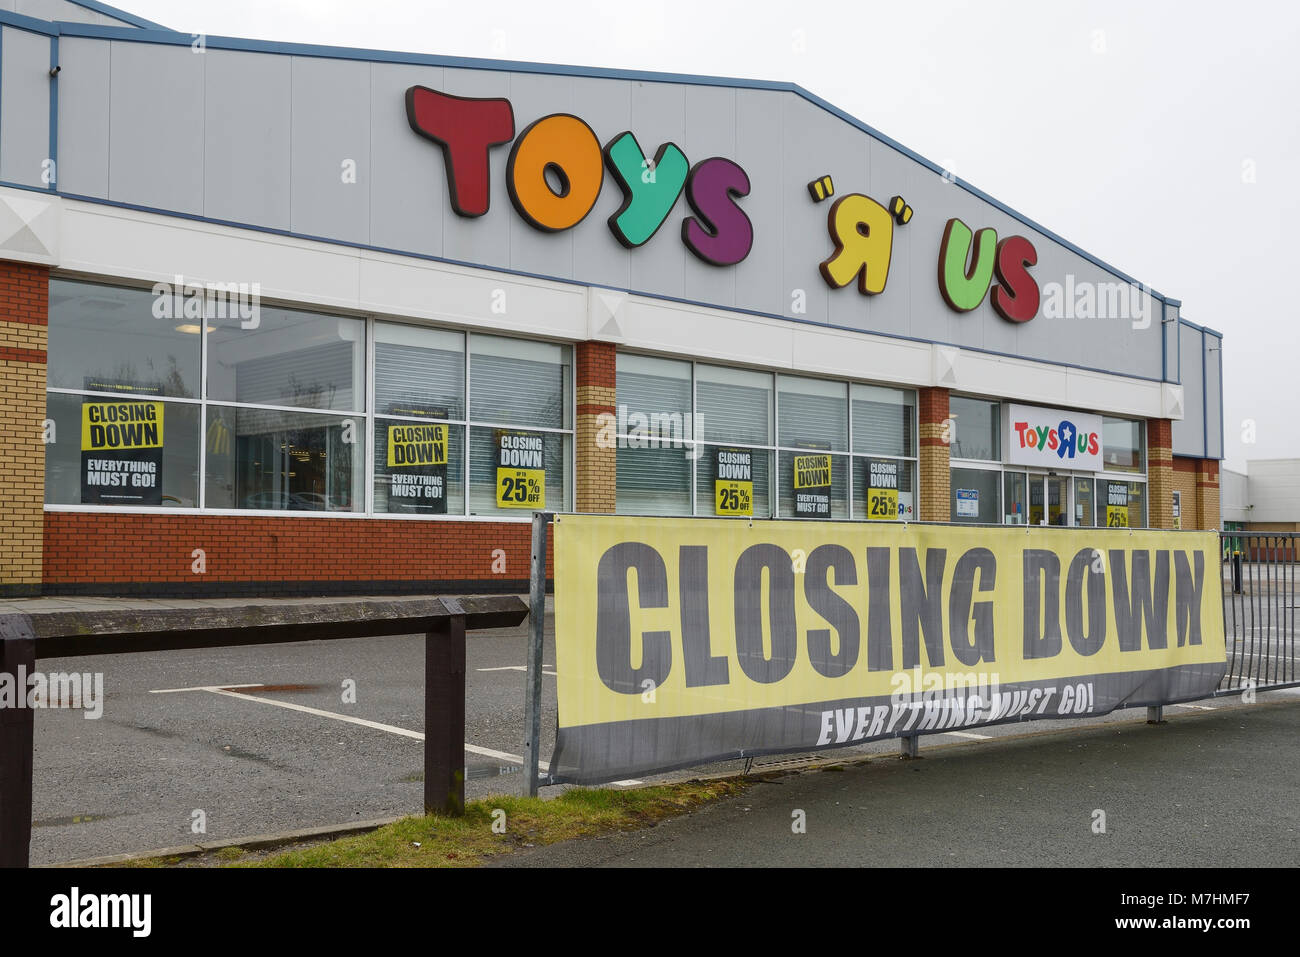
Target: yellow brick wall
[
  {"x": 1185, "y": 483},
  {"x": 595, "y": 456},
  {"x": 24, "y": 299}
]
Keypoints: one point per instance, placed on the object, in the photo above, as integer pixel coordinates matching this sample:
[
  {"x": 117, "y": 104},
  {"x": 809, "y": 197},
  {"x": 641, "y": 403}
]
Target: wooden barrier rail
[{"x": 126, "y": 629}]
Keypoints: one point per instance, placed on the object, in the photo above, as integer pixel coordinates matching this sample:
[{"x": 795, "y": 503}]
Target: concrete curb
[{"x": 254, "y": 842}]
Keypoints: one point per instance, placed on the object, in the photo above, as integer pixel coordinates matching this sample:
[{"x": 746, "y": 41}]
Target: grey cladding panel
[
  {"x": 408, "y": 181},
  {"x": 1188, "y": 434},
  {"x": 24, "y": 107},
  {"x": 156, "y": 153},
  {"x": 760, "y": 278},
  {"x": 84, "y": 116},
  {"x": 247, "y": 124},
  {"x": 1213, "y": 397},
  {"x": 52, "y": 10},
  {"x": 332, "y": 171}
]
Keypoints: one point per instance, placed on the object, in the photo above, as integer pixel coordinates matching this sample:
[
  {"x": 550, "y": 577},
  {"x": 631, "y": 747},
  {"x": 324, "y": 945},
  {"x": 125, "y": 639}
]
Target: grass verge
[{"x": 438, "y": 841}]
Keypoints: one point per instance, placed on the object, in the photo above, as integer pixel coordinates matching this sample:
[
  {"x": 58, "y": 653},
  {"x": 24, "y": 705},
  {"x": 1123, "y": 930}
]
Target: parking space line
[
  {"x": 363, "y": 722},
  {"x": 969, "y": 734}
]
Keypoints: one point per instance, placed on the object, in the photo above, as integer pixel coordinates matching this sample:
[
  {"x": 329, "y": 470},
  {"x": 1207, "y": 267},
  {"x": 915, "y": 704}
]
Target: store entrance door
[{"x": 1049, "y": 500}]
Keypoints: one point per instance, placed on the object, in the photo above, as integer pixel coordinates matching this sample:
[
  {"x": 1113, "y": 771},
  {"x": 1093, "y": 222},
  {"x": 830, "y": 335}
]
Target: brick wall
[
  {"x": 1183, "y": 481},
  {"x": 1207, "y": 493},
  {"x": 1160, "y": 474},
  {"x": 594, "y": 366},
  {"x": 936, "y": 480},
  {"x": 268, "y": 555},
  {"x": 24, "y": 310},
  {"x": 1198, "y": 481}
]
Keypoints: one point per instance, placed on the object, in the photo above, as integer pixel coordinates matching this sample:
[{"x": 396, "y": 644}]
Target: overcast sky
[{"x": 1160, "y": 137}]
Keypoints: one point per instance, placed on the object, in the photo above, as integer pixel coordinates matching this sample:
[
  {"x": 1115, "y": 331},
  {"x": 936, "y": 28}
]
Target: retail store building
[{"x": 282, "y": 319}]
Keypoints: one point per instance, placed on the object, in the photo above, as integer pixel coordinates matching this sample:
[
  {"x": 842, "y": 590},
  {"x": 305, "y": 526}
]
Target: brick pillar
[
  {"x": 595, "y": 453},
  {"x": 1160, "y": 475},
  {"x": 1207, "y": 493},
  {"x": 936, "y": 480},
  {"x": 24, "y": 308}
]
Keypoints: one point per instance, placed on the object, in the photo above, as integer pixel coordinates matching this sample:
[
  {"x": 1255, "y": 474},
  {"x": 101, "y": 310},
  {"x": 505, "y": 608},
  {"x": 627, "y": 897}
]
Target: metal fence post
[
  {"x": 536, "y": 638},
  {"x": 17, "y": 724},
  {"x": 444, "y": 715},
  {"x": 909, "y": 745}
]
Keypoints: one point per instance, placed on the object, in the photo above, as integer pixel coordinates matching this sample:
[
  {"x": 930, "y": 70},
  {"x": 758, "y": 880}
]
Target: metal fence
[{"x": 1260, "y": 603}]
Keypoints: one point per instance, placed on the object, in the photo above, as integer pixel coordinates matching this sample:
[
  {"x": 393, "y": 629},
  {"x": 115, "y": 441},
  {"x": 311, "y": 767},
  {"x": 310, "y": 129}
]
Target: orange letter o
[{"x": 567, "y": 147}]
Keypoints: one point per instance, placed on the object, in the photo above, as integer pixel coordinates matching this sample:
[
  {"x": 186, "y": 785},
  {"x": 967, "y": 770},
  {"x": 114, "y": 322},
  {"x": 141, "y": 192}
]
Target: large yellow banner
[{"x": 797, "y": 629}]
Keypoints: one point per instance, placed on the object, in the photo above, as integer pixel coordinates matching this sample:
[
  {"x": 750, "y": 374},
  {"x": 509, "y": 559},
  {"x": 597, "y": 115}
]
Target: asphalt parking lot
[{"x": 261, "y": 739}]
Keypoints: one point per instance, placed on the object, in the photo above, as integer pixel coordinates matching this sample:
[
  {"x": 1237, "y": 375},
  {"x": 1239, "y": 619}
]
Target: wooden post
[
  {"x": 18, "y": 660},
  {"x": 444, "y": 715}
]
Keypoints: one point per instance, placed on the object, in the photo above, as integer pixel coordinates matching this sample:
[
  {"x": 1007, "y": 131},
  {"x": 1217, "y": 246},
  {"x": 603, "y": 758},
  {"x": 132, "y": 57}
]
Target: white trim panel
[{"x": 123, "y": 243}]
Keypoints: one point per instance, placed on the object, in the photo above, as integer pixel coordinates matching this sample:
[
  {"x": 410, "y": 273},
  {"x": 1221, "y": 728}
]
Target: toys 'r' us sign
[{"x": 557, "y": 167}]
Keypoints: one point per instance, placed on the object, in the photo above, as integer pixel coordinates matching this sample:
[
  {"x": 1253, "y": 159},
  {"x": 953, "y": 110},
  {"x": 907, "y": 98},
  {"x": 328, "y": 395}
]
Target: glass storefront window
[
  {"x": 654, "y": 481},
  {"x": 734, "y": 405},
  {"x": 108, "y": 339},
  {"x": 1137, "y": 505},
  {"x": 812, "y": 414},
  {"x": 705, "y": 478},
  {"x": 283, "y": 461},
  {"x": 1015, "y": 498},
  {"x": 792, "y": 506},
  {"x": 883, "y": 420},
  {"x": 296, "y": 359},
  {"x": 653, "y": 422},
  {"x": 489, "y": 484},
  {"x": 1123, "y": 445},
  {"x": 1123, "y": 505},
  {"x": 419, "y": 372},
  {"x": 866, "y": 505},
  {"x": 1085, "y": 511},
  {"x": 975, "y": 496},
  {"x": 975, "y": 429},
  {"x": 283, "y": 420},
  {"x": 734, "y": 409},
  {"x": 517, "y": 382},
  {"x": 419, "y": 467},
  {"x": 144, "y": 475}
]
